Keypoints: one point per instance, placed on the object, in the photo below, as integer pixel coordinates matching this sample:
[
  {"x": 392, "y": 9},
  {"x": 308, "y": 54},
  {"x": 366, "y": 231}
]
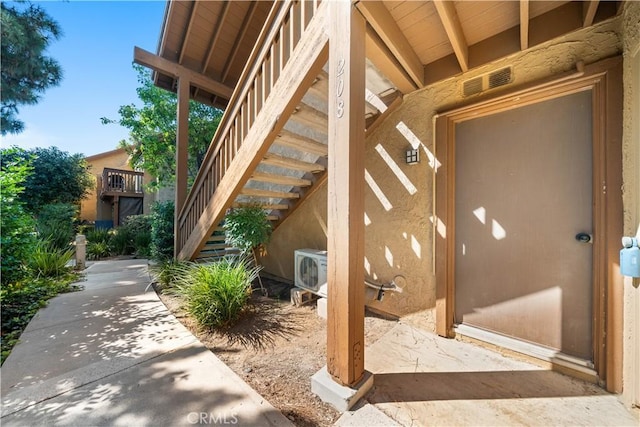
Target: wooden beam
[
  {"x": 449, "y": 18},
  {"x": 385, "y": 26},
  {"x": 345, "y": 202},
  {"x": 524, "y": 24},
  {"x": 182, "y": 151},
  {"x": 160, "y": 64},
  {"x": 257, "y": 192},
  {"x": 280, "y": 179},
  {"x": 187, "y": 32},
  {"x": 239, "y": 38},
  {"x": 589, "y": 9},
  {"x": 301, "y": 143},
  {"x": 215, "y": 37},
  {"x": 289, "y": 163},
  {"x": 384, "y": 60}
]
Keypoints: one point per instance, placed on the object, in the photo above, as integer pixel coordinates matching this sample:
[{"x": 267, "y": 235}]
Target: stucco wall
[
  {"x": 92, "y": 208},
  {"x": 630, "y": 27},
  {"x": 398, "y": 198}
]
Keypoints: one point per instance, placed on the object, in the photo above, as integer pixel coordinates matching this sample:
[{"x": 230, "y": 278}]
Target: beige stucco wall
[
  {"x": 630, "y": 27},
  {"x": 92, "y": 208},
  {"x": 398, "y": 198}
]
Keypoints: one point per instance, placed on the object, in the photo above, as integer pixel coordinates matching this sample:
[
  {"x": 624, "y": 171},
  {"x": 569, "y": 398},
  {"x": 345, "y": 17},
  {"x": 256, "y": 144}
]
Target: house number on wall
[{"x": 340, "y": 88}]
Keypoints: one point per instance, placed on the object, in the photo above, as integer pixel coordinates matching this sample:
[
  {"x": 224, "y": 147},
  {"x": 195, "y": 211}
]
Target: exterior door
[{"x": 523, "y": 192}]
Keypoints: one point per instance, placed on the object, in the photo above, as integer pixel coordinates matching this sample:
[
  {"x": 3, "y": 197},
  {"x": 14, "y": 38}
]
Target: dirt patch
[{"x": 276, "y": 347}]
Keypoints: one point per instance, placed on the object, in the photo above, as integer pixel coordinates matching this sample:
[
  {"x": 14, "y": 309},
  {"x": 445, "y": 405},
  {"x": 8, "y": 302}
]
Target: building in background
[{"x": 119, "y": 190}]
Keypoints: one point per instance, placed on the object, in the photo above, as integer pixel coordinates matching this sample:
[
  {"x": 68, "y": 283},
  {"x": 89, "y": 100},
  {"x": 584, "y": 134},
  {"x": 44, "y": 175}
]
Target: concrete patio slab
[
  {"x": 423, "y": 379},
  {"x": 112, "y": 354}
]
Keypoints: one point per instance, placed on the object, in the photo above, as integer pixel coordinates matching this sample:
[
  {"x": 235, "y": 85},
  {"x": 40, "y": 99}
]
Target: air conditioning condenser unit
[{"x": 311, "y": 270}]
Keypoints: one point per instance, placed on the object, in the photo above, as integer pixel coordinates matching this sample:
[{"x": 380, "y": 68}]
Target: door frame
[{"x": 604, "y": 80}]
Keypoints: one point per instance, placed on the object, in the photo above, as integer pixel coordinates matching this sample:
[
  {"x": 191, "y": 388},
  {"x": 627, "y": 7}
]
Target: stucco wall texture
[{"x": 399, "y": 197}]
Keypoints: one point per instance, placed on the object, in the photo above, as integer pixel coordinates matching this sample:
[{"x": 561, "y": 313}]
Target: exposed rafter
[
  {"x": 238, "y": 41},
  {"x": 449, "y": 18},
  {"x": 216, "y": 35},
  {"x": 524, "y": 24},
  {"x": 589, "y": 9},
  {"x": 384, "y": 60},
  {"x": 157, "y": 63},
  {"x": 185, "y": 42},
  {"x": 385, "y": 26}
]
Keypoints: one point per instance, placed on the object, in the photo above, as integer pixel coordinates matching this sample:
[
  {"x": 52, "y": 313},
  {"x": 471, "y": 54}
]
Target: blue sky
[{"x": 96, "y": 55}]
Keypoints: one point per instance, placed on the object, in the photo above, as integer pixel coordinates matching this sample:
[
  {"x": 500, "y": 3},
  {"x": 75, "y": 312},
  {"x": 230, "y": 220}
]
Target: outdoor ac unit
[{"x": 311, "y": 270}]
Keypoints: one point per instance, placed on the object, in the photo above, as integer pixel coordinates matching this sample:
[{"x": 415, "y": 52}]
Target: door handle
[{"x": 584, "y": 238}]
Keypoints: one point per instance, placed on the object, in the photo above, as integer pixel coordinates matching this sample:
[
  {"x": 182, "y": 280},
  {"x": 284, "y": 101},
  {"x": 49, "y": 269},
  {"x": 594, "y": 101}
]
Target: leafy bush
[
  {"x": 20, "y": 301},
  {"x": 98, "y": 250},
  {"x": 247, "y": 227},
  {"x": 121, "y": 241},
  {"x": 49, "y": 261},
  {"x": 216, "y": 294},
  {"x": 162, "y": 230},
  {"x": 55, "y": 224},
  {"x": 140, "y": 228},
  {"x": 17, "y": 238}
]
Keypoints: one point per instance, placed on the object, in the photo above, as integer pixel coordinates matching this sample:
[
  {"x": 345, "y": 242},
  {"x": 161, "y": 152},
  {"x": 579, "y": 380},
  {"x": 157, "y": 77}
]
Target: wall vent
[{"x": 487, "y": 81}]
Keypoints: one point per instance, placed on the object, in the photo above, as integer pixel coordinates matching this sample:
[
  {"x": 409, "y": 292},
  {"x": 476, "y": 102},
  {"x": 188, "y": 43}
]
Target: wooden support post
[
  {"x": 345, "y": 259},
  {"x": 182, "y": 147}
]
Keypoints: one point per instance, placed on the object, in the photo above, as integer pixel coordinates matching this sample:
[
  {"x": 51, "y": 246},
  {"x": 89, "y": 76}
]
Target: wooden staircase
[{"x": 271, "y": 145}]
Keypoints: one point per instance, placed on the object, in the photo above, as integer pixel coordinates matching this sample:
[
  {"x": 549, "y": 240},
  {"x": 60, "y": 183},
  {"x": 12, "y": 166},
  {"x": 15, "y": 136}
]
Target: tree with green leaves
[
  {"x": 26, "y": 71},
  {"x": 56, "y": 177},
  {"x": 152, "y": 136},
  {"x": 17, "y": 239}
]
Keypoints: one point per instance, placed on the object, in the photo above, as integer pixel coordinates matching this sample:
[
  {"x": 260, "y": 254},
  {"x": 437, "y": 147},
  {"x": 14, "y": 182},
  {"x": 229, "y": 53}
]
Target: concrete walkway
[{"x": 113, "y": 355}]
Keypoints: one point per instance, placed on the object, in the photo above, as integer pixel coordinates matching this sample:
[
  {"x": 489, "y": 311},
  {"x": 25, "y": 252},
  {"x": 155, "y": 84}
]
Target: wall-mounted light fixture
[{"x": 413, "y": 156}]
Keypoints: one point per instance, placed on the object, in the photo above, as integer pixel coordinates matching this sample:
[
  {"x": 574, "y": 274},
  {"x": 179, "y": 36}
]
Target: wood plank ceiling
[{"x": 409, "y": 43}]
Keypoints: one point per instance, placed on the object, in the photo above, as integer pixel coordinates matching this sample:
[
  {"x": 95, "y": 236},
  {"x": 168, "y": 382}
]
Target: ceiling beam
[
  {"x": 216, "y": 34},
  {"x": 449, "y": 18},
  {"x": 589, "y": 9},
  {"x": 388, "y": 65},
  {"x": 160, "y": 64},
  {"x": 187, "y": 32},
  {"x": 379, "y": 18},
  {"x": 238, "y": 42},
  {"x": 524, "y": 24}
]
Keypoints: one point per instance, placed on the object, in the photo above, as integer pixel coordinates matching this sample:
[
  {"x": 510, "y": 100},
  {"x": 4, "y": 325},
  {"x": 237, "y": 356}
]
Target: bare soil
[{"x": 276, "y": 347}]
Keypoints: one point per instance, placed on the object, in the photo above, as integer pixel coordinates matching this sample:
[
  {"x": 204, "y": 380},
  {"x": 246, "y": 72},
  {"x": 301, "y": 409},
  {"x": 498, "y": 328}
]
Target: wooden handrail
[{"x": 281, "y": 33}]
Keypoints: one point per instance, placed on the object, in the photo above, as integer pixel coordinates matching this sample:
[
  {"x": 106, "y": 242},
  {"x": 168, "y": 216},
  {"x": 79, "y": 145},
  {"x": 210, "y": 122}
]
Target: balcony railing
[
  {"x": 281, "y": 34},
  {"x": 118, "y": 182}
]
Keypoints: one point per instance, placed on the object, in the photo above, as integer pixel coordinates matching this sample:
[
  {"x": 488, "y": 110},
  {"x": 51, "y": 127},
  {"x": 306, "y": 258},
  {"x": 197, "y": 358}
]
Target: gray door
[{"x": 523, "y": 191}]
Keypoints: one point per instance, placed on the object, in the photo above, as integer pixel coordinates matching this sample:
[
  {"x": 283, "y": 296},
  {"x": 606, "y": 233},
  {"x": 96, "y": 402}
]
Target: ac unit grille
[{"x": 308, "y": 269}]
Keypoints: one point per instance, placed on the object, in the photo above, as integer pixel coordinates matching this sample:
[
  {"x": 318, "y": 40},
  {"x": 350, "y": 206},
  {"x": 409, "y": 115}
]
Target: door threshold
[{"x": 559, "y": 361}]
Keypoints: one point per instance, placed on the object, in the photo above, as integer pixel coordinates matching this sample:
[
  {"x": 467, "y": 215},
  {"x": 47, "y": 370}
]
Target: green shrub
[
  {"x": 216, "y": 294},
  {"x": 139, "y": 227},
  {"x": 49, "y": 261},
  {"x": 121, "y": 241},
  {"x": 17, "y": 236},
  {"x": 247, "y": 227},
  {"x": 167, "y": 273},
  {"x": 98, "y": 236},
  {"x": 20, "y": 301},
  {"x": 162, "y": 231},
  {"x": 55, "y": 224},
  {"x": 98, "y": 250}
]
